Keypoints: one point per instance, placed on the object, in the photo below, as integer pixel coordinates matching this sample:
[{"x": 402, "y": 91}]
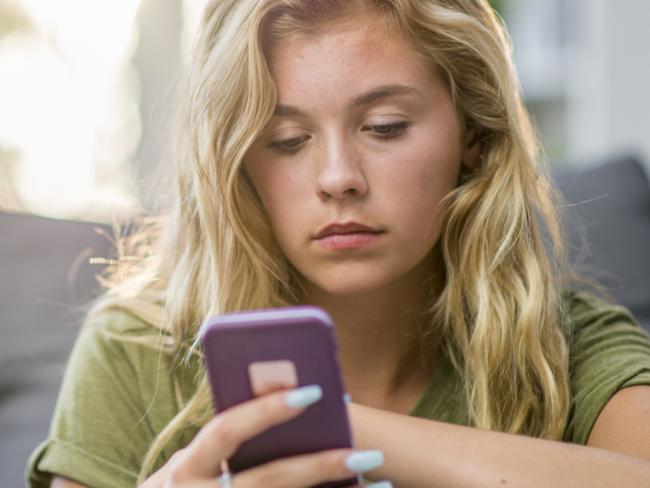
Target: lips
[{"x": 346, "y": 228}]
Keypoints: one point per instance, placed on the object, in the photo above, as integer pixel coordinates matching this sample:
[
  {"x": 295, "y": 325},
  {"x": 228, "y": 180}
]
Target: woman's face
[{"x": 363, "y": 146}]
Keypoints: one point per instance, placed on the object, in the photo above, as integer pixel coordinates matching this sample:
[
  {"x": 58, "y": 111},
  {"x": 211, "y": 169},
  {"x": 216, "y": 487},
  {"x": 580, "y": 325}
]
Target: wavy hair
[{"x": 497, "y": 309}]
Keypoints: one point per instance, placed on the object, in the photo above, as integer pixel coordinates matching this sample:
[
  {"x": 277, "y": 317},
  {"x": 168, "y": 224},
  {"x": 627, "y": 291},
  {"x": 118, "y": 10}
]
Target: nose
[{"x": 340, "y": 172}]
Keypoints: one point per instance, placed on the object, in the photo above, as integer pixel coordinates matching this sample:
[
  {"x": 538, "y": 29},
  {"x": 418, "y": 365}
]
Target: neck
[{"x": 377, "y": 334}]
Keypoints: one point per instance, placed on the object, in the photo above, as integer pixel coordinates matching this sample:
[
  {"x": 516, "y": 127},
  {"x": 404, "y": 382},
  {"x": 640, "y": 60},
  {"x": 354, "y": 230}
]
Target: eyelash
[
  {"x": 288, "y": 145},
  {"x": 392, "y": 131}
]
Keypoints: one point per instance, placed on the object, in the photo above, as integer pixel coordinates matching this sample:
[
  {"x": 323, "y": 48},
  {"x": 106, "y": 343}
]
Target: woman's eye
[
  {"x": 289, "y": 145},
  {"x": 388, "y": 131}
]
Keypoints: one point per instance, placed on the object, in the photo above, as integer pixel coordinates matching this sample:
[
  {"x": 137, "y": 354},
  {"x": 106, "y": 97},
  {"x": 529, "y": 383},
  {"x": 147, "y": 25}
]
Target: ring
[{"x": 225, "y": 478}]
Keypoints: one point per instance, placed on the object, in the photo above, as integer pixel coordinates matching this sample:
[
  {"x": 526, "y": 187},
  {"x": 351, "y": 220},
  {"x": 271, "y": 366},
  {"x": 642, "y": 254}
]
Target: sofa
[
  {"x": 607, "y": 212},
  {"x": 47, "y": 280}
]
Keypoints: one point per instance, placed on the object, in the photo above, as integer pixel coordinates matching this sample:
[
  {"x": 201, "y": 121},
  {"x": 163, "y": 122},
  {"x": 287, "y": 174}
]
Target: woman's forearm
[{"x": 425, "y": 453}]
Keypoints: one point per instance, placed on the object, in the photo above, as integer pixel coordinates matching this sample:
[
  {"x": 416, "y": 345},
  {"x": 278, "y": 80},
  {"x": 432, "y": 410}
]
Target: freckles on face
[
  {"x": 413, "y": 178},
  {"x": 364, "y": 132}
]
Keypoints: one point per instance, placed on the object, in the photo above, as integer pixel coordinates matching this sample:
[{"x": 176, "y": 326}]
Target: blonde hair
[{"x": 497, "y": 308}]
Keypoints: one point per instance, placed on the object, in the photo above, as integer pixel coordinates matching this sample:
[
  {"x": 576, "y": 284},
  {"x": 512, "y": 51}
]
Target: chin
[{"x": 354, "y": 279}]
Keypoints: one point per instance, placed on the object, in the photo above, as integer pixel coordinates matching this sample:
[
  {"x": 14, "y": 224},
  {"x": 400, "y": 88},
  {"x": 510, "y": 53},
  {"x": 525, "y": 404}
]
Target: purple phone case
[{"x": 303, "y": 335}]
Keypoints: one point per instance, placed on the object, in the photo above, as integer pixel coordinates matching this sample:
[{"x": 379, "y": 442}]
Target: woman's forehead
[
  {"x": 357, "y": 56},
  {"x": 371, "y": 27}
]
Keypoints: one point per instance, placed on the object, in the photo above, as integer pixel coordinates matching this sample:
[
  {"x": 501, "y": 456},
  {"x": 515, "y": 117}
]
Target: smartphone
[{"x": 250, "y": 353}]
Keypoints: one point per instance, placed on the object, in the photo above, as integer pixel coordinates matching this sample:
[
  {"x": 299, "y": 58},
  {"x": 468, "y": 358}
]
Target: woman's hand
[{"x": 198, "y": 465}]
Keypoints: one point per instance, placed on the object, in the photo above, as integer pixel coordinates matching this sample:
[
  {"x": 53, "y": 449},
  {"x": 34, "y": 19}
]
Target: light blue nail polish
[
  {"x": 362, "y": 461},
  {"x": 381, "y": 484},
  {"x": 303, "y": 397},
  {"x": 347, "y": 399}
]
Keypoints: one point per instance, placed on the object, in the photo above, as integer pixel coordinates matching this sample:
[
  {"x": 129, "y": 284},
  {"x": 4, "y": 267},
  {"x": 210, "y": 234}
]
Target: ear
[{"x": 472, "y": 152}]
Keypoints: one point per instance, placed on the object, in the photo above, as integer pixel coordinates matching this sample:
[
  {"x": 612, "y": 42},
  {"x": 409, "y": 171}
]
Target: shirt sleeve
[
  {"x": 100, "y": 430},
  {"x": 609, "y": 351}
]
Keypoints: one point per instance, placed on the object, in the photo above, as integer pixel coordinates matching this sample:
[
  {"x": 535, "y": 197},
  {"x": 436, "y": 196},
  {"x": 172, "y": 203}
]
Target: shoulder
[
  {"x": 593, "y": 325},
  {"x": 122, "y": 348},
  {"x": 114, "y": 347},
  {"x": 118, "y": 393},
  {"x": 608, "y": 351},
  {"x": 125, "y": 349},
  {"x": 116, "y": 330},
  {"x": 582, "y": 309},
  {"x": 120, "y": 321}
]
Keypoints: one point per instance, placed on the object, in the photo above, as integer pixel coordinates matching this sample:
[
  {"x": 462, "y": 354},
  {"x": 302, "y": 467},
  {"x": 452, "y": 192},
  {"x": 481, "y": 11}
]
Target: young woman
[{"x": 372, "y": 158}]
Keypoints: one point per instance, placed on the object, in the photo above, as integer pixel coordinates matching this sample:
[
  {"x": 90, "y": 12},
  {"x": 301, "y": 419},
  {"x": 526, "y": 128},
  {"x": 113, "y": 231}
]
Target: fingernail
[
  {"x": 381, "y": 484},
  {"x": 303, "y": 397},
  {"x": 362, "y": 461},
  {"x": 347, "y": 399}
]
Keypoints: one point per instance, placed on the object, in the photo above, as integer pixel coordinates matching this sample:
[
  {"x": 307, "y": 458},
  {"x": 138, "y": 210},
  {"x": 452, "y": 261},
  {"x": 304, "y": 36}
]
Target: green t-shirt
[{"x": 117, "y": 395}]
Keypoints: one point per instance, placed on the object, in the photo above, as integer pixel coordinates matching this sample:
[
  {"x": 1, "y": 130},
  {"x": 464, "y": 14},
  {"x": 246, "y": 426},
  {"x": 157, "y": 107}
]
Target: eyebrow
[{"x": 364, "y": 99}]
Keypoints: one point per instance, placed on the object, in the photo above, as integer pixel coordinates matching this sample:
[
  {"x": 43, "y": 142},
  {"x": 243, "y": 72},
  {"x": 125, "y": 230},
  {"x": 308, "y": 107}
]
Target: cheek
[
  {"x": 281, "y": 194},
  {"x": 427, "y": 174}
]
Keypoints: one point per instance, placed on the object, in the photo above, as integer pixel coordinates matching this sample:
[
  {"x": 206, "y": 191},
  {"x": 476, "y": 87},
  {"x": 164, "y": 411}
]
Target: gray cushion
[
  {"x": 609, "y": 228},
  {"x": 46, "y": 282}
]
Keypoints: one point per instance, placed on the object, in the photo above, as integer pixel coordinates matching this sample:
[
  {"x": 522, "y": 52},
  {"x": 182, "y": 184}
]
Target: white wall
[
  {"x": 609, "y": 103},
  {"x": 585, "y": 68}
]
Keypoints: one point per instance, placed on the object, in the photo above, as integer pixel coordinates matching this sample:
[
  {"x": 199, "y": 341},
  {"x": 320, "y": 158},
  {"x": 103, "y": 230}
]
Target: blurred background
[
  {"x": 85, "y": 95},
  {"x": 85, "y": 92}
]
